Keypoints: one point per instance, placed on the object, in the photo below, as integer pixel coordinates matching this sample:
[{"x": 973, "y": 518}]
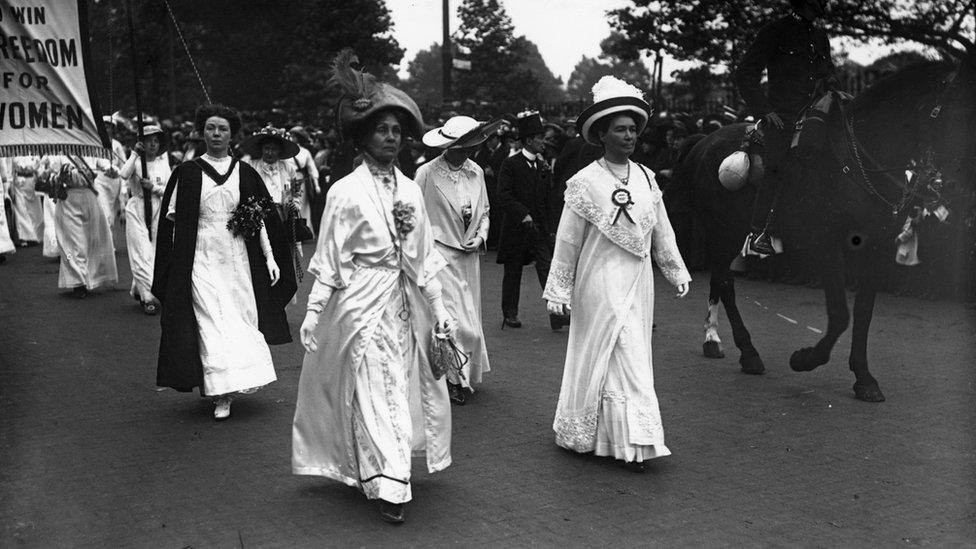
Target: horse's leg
[
  {"x": 749, "y": 360},
  {"x": 838, "y": 316},
  {"x": 712, "y": 347},
  {"x": 865, "y": 387}
]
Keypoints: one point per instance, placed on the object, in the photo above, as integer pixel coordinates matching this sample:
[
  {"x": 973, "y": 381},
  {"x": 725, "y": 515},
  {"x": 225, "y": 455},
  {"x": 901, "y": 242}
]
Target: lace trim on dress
[
  {"x": 672, "y": 267},
  {"x": 559, "y": 286},
  {"x": 578, "y": 431},
  {"x": 602, "y": 217}
]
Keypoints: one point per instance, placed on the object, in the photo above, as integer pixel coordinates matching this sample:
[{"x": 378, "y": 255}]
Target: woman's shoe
[
  {"x": 80, "y": 292},
  {"x": 635, "y": 466},
  {"x": 391, "y": 512},
  {"x": 222, "y": 408}
]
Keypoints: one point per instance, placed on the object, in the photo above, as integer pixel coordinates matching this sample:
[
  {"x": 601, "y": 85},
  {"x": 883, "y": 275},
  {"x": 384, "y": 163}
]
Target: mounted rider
[{"x": 795, "y": 53}]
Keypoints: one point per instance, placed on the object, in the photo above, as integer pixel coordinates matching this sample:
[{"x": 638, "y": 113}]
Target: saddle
[{"x": 810, "y": 135}]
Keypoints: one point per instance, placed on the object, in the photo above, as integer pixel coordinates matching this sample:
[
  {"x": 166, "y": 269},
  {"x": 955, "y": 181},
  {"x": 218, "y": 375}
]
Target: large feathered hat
[
  {"x": 363, "y": 95},
  {"x": 612, "y": 96}
]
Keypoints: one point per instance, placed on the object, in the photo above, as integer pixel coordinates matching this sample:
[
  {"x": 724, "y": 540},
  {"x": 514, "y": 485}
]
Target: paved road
[{"x": 92, "y": 455}]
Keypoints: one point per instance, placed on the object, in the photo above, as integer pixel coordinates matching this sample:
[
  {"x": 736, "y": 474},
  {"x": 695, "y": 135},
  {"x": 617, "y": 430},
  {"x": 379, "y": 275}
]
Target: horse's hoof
[
  {"x": 712, "y": 350},
  {"x": 807, "y": 359},
  {"x": 869, "y": 392},
  {"x": 752, "y": 365}
]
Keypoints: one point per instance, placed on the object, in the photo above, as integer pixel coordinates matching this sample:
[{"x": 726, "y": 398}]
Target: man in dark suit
[
  {"x": 795, "y": 54},
  {"x": 524, "y": 186}
]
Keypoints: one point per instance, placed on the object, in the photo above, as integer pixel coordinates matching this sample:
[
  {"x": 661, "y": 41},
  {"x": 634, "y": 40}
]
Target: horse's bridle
[{"x": 928, "y": 173}]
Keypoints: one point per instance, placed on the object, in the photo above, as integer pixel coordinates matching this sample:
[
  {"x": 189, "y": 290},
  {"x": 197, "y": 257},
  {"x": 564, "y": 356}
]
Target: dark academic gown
[{"x": 179, "y": 365}]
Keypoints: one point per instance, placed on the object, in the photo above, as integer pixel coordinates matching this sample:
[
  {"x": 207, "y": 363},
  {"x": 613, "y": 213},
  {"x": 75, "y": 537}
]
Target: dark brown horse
[{"x": 845, "y": 204}]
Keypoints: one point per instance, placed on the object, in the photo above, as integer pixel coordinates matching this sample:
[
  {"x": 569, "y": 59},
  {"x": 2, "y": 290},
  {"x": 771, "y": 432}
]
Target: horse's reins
[{"x": 909, "y": 191}]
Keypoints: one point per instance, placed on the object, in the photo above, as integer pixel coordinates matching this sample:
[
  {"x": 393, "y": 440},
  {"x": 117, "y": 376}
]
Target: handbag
[{"x": 445, "y": 356}]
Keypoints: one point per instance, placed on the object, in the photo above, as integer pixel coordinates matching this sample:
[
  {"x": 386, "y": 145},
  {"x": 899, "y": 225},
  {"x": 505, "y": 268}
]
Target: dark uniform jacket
[
  {"x": 796, "y": 56},
  {"x": 523, "y": 190},
  {"x": 179, "y": 363}
]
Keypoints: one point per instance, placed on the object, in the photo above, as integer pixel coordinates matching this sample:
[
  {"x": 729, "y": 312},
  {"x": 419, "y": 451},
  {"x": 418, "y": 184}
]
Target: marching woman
[
  {"x": 28, "y": 211},
  {"x": 457, "y": 203},
  {"x": 218, "y": 250},
  {"x": 138, "y": 241},
  {"x": 6, "y": 241},
  {"x": 367, "y": 397},
  {"x": 612, "y": 223},
  {"x": 83, "y": 236},
  {"x": 268, "y": 148}
]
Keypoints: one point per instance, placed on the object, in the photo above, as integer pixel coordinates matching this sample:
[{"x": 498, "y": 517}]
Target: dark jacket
[
  {"x": 179, "y": 363},
  {"x": 523, "y": 191},
  {"x": 796, "y": 56}
]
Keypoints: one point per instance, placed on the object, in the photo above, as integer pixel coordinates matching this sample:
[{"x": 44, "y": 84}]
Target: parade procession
[{"x": 263, "y": 273}]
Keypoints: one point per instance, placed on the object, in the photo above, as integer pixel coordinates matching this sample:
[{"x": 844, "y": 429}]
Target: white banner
[{"x": 46, "y": 104}]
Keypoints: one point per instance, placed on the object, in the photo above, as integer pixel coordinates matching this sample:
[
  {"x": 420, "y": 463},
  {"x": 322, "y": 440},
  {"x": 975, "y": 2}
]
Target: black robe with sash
[{"x": 179, "y": 365}]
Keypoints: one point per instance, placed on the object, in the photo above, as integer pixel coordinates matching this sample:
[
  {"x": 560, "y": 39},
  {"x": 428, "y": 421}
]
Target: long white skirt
[
  {"x": 381, "y": 410},
  {"x": 27, "y": 209},
  {"x": 234, "y": 354},
  {"x": 142, "y": 251},
  {"x": 6, "y": 242},
  {"x": 461, "y": 280},
  {"x": 87, "y": 254},
  {"x": 49, "y": 245}
]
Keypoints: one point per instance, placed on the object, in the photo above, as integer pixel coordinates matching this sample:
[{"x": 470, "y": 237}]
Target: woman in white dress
[
  {"x": 457, "y": 203},
  {"x": 367, "y": 397},
  {"x": 83, "y": 237},
  {"x": 27, "y": 207},
  {"x": 612, "y": 223},
  {"x": 139, "y": 242},
  {"x": 223, "y": 295},
  {"x": 6, "y": 241}
]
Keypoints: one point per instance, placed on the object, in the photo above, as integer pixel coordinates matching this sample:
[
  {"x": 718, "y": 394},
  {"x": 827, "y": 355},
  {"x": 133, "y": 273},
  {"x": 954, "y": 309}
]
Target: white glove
[
  {"x": 273, "y": 270},
  {"x": 306, "y": 334},
  {"x": 683, "y": 289},
  {"x": 561, "y": 309},
  {"x": 445, "y": 324}
]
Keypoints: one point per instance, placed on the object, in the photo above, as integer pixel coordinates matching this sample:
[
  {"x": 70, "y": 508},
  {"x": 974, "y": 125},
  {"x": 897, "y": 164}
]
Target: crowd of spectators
[{"x": 947, "y": 250}]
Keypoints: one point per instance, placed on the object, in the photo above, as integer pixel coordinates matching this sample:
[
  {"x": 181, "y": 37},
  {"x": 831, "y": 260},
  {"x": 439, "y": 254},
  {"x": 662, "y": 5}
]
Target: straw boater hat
[
  {"x": 363, "y": 95},
  {"x": 612, "y": 96},
  {"x": 253, "y": 144},
  {"x": 460, "y": 132}
]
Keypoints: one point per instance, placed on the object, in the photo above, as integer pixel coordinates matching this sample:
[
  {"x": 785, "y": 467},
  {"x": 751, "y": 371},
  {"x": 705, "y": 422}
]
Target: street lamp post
[{"x": 446, "y": 54}]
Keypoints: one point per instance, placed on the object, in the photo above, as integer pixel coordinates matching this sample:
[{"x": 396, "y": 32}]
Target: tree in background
[
  {"x": 424, "y": 84},
  {"x": 717, "y": 33},
  {"x": 589, "y": 71},
  {"x": 254, "y": 55},
  {"x": 504, "y": 69}
]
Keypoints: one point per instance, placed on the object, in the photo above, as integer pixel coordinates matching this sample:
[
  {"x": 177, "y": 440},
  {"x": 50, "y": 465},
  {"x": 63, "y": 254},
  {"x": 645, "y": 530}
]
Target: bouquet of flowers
[
  {"x": 404, "y": 217},
  {"x": 466, "y": 215},
  {"x": 249, "y": 216}
]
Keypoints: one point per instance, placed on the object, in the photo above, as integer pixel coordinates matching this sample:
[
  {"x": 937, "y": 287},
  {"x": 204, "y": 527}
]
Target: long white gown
[
  {"x": 6, "y": 242},
  {"x": 366, "y": 397},
  {"x": 450, "y": 196},
  {"x": 83, "y": 236},
  {"x": 234, "y": 354},
  {"x": 607, "y": 404},
  {"x": 142, "y": 249},
  {"x": 26, "y": 203}
]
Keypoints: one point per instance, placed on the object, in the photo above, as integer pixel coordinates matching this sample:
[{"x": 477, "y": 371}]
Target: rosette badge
[{"x": 622, "y": 200}]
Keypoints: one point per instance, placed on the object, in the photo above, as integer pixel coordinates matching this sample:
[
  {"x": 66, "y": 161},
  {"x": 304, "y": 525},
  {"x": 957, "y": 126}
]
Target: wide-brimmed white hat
[
  {"x": 460, "y": 132},
  {"x": 612, "y": 96}
]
